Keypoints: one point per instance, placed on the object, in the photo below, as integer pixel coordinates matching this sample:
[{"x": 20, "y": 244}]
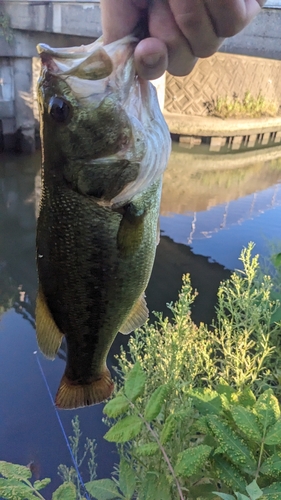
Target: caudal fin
[{"x": 72, "y": 395}]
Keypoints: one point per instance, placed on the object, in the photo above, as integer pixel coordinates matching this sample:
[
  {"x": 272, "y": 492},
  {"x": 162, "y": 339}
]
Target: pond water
[{"x": 212, "y": 206}]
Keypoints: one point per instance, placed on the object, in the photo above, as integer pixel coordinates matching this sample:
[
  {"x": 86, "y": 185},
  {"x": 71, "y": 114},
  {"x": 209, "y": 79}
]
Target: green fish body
[{"x": 105, "y": 146}]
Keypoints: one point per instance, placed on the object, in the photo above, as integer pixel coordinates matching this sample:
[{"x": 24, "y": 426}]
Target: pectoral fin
[
  {"x": 49, "y": 337},
  {"x": 137, "y": 316},
  {"x": 131, "y": 229}
]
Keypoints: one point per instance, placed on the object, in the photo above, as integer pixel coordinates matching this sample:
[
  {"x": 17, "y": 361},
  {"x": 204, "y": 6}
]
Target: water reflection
[
  {"x": 196, "y": 183},
  {"x": 218, "y": 204},
  {"x": 202, "y": 196}
]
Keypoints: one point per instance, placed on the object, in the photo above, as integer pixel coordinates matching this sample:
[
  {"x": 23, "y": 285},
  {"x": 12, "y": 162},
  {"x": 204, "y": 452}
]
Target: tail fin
[{"x": 72, "y": 395}]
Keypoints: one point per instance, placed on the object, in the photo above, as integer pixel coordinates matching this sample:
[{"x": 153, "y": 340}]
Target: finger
[
  {"x": 194, "y": 22},
  {"x": 119, "y": 18},
  {"x": 163, "y": 26},
  {"x": 151, "y": 58},
  {"x": 231, "y": 16}
]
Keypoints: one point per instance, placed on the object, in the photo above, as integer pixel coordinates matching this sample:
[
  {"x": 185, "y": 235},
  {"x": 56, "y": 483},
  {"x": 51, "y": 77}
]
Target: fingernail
[{"x": 152, "y": 60}]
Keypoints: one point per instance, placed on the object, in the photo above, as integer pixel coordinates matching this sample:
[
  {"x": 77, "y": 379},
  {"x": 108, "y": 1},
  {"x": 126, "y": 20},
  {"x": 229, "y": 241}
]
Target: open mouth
[{"x": 88, "y": 62}]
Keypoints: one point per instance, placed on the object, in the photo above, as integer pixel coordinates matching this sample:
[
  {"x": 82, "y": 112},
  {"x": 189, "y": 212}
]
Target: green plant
[
  {"x": 248, "y": 106},
  {"x": 180, "y": 415},
  {"x": 196, "y": 412},
  {"x": 69, "y": 474},
  {"x": 15, "y": 484}
]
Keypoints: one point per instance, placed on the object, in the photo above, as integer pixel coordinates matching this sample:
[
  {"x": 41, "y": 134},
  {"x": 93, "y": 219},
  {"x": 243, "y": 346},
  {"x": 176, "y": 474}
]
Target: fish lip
[
  {"x": 69, "y": 52},
  {"x": 95, "y": 61}
]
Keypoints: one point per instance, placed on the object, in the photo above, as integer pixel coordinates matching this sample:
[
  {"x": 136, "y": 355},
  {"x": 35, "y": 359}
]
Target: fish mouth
[
  {"x": 92, "y": 69},
  {"x": 95, "y": 61}
]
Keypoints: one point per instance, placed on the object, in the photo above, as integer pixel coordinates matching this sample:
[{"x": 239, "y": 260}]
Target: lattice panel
[{"x": 219, "y": 76}]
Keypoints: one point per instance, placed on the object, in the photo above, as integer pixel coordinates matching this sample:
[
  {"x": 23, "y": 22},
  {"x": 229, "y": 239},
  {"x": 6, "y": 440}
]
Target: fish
[{"x": 105, "y": 146}]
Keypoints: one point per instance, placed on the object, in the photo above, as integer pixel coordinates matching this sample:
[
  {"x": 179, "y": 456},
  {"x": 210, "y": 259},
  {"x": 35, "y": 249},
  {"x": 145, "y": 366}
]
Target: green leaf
[
  {"x": 103, "y": 489},
  {"x": 246, "y": 398},
  {"x": 253, "y": 490},
  {"x": 228, "y": 474},
  {"x": 276, "y": 259},
  {"x": 272, "y": 465},
  {"x": 267, "y": 409},
  {"x": 190, "y": 461},
  {"x": 146, "y": 450},
  {"x": 117, "y": 406},
  {"x": 273, "y": 435},
  {"x": 168, "y": 428},
  {"x": 65, "y": 491},
  {"x": 127, "y": 479},
  {"x": 231, "y": 444},
  {"x": 125, "y": 430},
  {"x": 207, "y": 402},
  {"x": 247, "y": 422},
  {"x": 135, "y": 382},
  {"x": 14, "y": 471},
  {"x": 155, "y": 487},
  {"x": 155, "y": 403},
  {"x": 240, "y": 496},
  {"x": 225, "y": 389},
  {"x": 39, "y": 485},
  {"x": 201, "y": 490},
  {"x": 272, "y": 492},
  {"x": 14, "y": 489},
  {"x": 276, "y": 316},
  {"x": 201, "y": 425},
  {"x": 224, "y": 496}
]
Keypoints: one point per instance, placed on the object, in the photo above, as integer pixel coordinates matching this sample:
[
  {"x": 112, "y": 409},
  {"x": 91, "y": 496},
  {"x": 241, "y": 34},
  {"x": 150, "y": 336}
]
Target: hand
[{"x": 181, "y": 30}]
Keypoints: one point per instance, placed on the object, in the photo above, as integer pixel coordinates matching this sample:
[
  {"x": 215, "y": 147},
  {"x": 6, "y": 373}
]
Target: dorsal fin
[
  {"x": 49, "y": 337},
  {"x": 137, "y": 316}
]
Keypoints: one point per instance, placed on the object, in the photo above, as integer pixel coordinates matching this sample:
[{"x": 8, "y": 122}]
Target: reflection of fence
[
  {"x": 206, "y": 223},
  {"x": 234, "y": 212}
]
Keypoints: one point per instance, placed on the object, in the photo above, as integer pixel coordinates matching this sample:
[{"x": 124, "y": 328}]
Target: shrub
[{"x": 196, "y": 412}]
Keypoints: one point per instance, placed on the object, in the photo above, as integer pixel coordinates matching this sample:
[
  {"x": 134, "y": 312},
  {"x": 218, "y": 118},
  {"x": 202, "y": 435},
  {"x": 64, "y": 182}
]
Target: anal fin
[
  {"x": 49, "y": 337},
  {"x": 137, "y": 317},
  {"x": 71, "y": 395}
]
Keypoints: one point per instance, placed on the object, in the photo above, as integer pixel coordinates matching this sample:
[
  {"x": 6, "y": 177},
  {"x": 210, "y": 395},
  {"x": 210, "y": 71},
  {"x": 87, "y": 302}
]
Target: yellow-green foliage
[
  {"x": 197, "y": 408},
  {"x": 247, "y": 107}
]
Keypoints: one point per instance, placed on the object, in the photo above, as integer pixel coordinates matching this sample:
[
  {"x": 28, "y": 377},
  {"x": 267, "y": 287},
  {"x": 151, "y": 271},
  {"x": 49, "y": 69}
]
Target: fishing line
[{"x": 61, "y": 426}]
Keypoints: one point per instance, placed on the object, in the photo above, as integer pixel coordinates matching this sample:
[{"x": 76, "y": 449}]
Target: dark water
[{"x": 211, "y": 208}]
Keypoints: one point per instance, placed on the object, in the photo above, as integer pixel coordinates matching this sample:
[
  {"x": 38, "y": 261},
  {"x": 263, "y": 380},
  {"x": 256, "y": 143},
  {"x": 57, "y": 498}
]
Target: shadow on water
[{"x": 29, "y": 430}]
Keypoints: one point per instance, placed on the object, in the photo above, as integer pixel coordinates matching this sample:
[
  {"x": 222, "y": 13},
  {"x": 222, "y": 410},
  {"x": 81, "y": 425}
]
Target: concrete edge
[{"x": 211, "y": 126}]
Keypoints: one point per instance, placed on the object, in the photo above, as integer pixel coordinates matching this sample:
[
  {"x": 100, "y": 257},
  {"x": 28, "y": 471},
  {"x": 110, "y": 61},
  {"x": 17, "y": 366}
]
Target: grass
[{"x": 247, "y": 107}]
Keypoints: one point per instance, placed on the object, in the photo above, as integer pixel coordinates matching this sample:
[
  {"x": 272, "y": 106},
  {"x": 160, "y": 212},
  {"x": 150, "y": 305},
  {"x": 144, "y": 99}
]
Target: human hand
[{"x": 181, "y": 30}]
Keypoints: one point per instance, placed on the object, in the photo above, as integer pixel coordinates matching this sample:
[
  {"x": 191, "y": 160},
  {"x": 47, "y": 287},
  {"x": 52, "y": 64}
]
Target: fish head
[
  {"x": 80, "y": 95},
  {"x": 93, "y": 106}
]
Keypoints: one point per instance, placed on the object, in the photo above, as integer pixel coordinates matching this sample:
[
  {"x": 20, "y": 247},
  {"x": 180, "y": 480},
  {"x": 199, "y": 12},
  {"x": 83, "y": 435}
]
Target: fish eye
[{"x": 59, "y": 109}]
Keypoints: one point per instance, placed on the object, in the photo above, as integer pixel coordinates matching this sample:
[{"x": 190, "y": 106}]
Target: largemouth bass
[{"x": 105, "y": 146}]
